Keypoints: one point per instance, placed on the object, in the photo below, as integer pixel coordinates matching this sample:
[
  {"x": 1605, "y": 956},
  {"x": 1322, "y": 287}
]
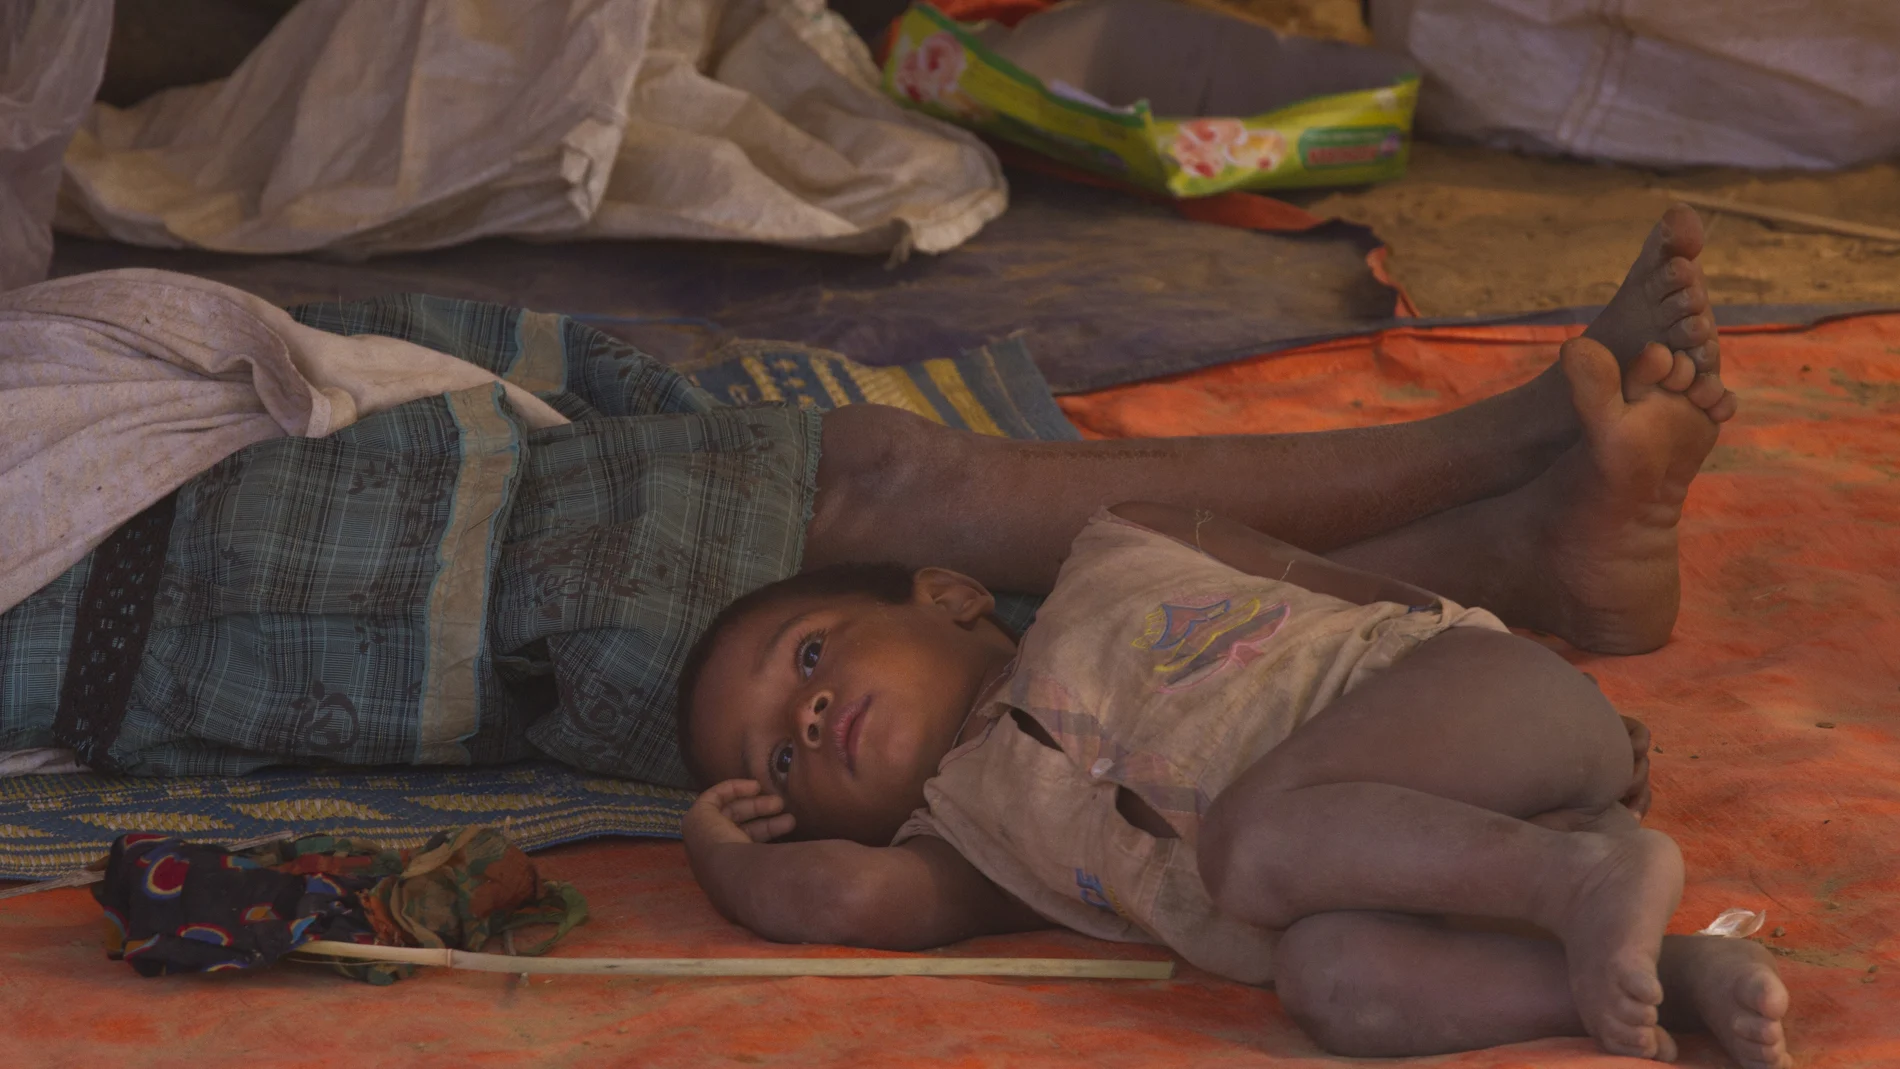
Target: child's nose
[{"x": 811, "y": 726}]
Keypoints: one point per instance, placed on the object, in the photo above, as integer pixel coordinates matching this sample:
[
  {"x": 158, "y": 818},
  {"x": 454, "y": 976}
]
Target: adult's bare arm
[{"x": 1239, "y": 546}]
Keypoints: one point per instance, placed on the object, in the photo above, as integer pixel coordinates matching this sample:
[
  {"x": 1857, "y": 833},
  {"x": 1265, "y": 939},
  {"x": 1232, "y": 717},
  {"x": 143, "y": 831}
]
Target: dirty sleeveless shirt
[{"x": 1162, "y": 671}]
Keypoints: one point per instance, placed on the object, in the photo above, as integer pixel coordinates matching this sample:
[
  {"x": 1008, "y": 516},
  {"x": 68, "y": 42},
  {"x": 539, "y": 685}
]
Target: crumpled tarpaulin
[
  {"x": 370, "y": 126},
  {"x": 1664, "y": 83},
  {"x": 178, "y": 907},
  {"x": 51, "y": 57}
]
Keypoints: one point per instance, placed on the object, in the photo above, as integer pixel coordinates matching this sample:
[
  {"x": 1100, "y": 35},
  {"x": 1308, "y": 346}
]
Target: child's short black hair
[{"x": 888, "y": 583}]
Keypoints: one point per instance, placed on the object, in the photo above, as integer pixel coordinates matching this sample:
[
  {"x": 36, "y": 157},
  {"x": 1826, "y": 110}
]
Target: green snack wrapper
[{"x": 1218, "y": 103}]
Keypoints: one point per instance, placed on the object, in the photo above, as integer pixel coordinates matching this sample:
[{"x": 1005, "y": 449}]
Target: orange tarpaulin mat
[{"x": 1776, "y": 710}]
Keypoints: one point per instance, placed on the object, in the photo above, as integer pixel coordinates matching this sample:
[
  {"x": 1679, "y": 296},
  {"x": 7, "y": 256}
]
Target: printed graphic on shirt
[
  {"x": 1201, "y": 637},
  {"x": 1090, "y": 887}
]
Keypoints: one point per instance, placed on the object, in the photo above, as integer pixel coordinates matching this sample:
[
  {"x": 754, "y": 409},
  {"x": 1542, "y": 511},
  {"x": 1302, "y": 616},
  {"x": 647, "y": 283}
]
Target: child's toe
[
  {"x": 1630, "y": 1041},
  {"x": 1665, "y": 1045}
]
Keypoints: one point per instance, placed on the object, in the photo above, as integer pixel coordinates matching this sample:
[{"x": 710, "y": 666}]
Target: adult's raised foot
[
  {"x": 1599, "y": 564},
  {"x": 1663, "y": 298},
  {"x": 1728, "y": 988},
  {"x": 1626, "y": 887}
]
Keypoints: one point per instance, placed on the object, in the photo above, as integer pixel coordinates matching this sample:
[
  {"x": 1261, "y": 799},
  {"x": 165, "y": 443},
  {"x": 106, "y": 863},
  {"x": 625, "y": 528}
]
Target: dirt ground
[{"x": 1475, "y": 231}]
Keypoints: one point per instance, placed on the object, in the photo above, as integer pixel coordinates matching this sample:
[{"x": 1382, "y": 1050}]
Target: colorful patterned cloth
[{"x": 174, "y": 907}]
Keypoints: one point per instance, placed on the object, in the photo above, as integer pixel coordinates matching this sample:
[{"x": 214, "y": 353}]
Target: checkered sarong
[{"x": 437, "y": 584}]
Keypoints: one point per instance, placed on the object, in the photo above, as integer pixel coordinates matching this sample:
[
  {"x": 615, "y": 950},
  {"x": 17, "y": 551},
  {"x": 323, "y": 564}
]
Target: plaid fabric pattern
[
  {"x": 301, "y": 615},
  {"x": 293, "y": 618},
  {"x": 34, "y": 638}
]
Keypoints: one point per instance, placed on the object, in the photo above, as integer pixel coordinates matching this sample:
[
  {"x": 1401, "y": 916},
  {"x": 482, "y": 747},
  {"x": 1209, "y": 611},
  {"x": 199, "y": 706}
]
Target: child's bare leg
[
  {"x": 1410, "y": 794},
  {"x": 1383, "y": 985},
  {"x": 1388, "y": 985}
]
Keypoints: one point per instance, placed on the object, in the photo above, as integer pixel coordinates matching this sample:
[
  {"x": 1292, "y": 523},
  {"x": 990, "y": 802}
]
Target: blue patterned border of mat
[
  {"x": 994, "y": 390},
  {"x": 52, "y": 825}
]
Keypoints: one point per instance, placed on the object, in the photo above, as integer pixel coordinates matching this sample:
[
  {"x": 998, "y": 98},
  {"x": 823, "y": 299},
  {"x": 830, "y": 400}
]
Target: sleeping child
[{"x": 1420, "y": 828}]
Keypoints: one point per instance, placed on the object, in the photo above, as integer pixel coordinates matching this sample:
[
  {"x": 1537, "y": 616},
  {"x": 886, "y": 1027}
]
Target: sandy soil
[{"x": 1475, "y": 231}]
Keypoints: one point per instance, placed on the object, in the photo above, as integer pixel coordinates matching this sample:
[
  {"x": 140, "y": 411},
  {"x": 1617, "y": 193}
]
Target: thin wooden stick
[
  {"x": 1066, "y": 968},
  {"x": 1825, "y": 223},
  {"x": 71, "y": 879}
]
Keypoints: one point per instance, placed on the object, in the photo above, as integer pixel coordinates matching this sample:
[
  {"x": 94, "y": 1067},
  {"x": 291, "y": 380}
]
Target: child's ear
[{"x": 966, "y": 600}]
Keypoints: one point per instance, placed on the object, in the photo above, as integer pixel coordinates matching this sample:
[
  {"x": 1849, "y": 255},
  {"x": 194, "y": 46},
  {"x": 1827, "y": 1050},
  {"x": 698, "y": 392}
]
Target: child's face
[{"x": 844, "y": 706}]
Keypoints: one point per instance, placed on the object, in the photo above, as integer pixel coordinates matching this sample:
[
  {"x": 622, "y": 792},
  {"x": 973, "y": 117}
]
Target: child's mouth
[{"x": 845, "y": 730}]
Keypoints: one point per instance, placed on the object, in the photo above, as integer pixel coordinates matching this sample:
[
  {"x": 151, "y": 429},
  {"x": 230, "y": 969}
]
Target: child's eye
[
  {"x": 781, "y": 764},
  {"x": 810, "y": 648}
]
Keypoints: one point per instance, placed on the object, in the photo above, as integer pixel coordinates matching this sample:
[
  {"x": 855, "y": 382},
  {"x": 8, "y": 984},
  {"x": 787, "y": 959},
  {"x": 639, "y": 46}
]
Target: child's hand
[
  {"x": 1636, "y": 795},
  {"x": 735, "y": 812}
]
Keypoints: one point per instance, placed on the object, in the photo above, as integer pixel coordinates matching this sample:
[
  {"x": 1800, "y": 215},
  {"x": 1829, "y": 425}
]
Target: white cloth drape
[
  {"x": 368, "y": 126},
  {"x": 52, "y": 54},
  {"x": 1745, "y": 83}
]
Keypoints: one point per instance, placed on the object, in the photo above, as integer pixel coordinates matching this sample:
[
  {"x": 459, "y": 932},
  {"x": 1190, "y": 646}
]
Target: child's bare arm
[
  {"x": 1239, "y": 546},
  {"x": 910, "y": 897}
]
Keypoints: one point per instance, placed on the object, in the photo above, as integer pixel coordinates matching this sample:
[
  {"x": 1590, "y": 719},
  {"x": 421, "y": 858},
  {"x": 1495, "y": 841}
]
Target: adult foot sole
[{"x": 1601, "y": 565}]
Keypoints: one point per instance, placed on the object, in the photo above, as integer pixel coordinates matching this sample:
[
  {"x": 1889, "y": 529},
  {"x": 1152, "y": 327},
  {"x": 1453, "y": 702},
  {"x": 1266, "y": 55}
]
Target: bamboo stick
[
  {"x": 1825, "y": 223},
  {"x": 72, "y": 879},
  {"x": 1065, "y": 968}
]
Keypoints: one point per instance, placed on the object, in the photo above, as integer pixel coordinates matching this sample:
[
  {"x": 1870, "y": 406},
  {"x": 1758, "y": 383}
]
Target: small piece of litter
[
  {"x": 1779, "y": 931},
  {"x": 1735, "y": 923},
  {"x": 1873, "y": 968},
  {"x": 1825, "y": 724},
  {"x": 1868, "y": 979}
]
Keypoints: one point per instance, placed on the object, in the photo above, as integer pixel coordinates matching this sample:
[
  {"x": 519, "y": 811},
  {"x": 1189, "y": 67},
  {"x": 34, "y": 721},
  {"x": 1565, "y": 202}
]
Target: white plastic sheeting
[
  {"x": 52, "y": 53},
  {"x": 1746, "y": 83},
  {"x": 368, "y": 126}
]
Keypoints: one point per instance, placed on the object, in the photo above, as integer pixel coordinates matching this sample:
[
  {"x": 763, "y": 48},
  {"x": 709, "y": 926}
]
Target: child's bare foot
[
  {"x": 1664, "y": 300},
  {"x": 1612, "y": 928},
  {"x": 1598, "y": 561},
  {"x": 1729, "y": 988}
]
